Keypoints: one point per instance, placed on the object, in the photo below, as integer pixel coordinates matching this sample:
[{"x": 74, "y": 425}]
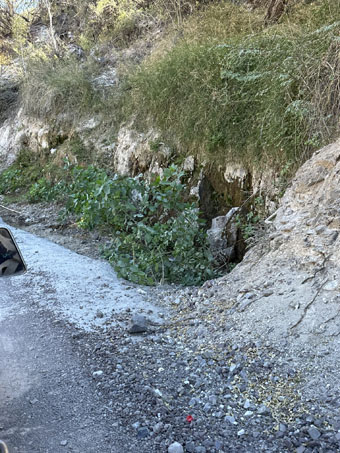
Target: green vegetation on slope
[
  {"x": 221, "y": 85},
  {"x": 157, "y": 236},
  {"x": 266, "y": 97}
]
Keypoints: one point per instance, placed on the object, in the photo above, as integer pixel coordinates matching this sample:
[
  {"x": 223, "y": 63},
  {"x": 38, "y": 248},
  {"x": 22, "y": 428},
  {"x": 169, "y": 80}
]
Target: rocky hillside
[{"x": 286, "y": 290}]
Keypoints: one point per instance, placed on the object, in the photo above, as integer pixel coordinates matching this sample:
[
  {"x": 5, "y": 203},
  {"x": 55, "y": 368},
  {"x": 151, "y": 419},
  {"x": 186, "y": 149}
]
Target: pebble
[
  {"x": 175, "y": 448},
  {"x": 246, "y": 404},
  {"x": 200, "y": 449},
  {"x": 241, "y": 432},
  {"x": 157, "y": 428},
  {"x": 98, "y": 373},
  {"x": 142, "y": 433},
  {"x": 190, "y": 447},
  {"x": 263, "y": 410},
  {"x": 282, "y": 427},
  {"x": 230, "y": 419},
  {"x": 63, "y": 443},
  {"x": 314, "y": 433},
  {"x": 300, "y": 449},
  {"x": 139, "y": 324}
]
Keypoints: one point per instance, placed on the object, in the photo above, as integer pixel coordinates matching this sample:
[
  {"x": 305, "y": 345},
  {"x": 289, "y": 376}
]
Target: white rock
[
  {"x": 98, "y": 373},
  {"x": 189, "y": 164},
  {"x": 175, "y": 448}
]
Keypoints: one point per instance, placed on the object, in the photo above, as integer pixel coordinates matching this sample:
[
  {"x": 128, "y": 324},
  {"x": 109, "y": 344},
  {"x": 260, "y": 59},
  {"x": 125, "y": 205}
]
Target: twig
[
  {"x": 9, "y": 209},
  {"x": 268, "y": 220},
  {"x": 242, "y": 205},
  {"x": 320, "y": 269},
  {"x": 306, "y": 308}
]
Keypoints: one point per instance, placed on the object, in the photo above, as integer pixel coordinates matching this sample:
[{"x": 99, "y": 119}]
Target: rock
[
  {"x": 136, "y": 425},
  {"x": 99, "y": 314},
  {"x": 300, "y": 449},
  {"x": 97, "y": 374},
  {"x": 157, "y": 428},
  {"x": 139, "y": 324},
  {"x": 190, "y": 447},
  {"x": 143, "y": 433},
  {"x": 282, "y": 427},
  {"x": 223, "y": 236},
  {"x": 63, "y": 443},
  {"x": 246, "y": 404},
  {"x": 189, "y": 164},
  {"x": 200, "y": 449},
  {"x": 314, "y": 433},
  {"x": 106, "y": 80},
  {"x": 175, "y": 448},
  {"x": 263, "y": 410},
  {"x": 230, "y": 419}
]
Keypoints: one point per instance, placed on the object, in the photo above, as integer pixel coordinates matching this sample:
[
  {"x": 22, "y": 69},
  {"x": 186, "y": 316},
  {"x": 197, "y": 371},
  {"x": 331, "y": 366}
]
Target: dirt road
[{"x": 48, "y": 400}]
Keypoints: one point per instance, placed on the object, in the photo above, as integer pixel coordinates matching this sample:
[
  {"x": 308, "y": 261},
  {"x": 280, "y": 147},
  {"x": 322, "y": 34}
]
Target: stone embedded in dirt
[
  {"x": 263, "y": 410},
  {"x": 139, "y": 324},
  {"x": 190, "y": 447},
  {"x": 157, "y": 427},
  {"x": 99, "y": 314},
  {"x": 143, "y": 433},
  {"x": 63, "y": 443},
  {"x": 230, "y": 419},
  {"x": 97, "y": 374},
  {"x": 300, "y": 449},
  {"x": 175, "y": 448},
  {"x": 314, "y": 433},
  {"x": 200, "y": 449}
]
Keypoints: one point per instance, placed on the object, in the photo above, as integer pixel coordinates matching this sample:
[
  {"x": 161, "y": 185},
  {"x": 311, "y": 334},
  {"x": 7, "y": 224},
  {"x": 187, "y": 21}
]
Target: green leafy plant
[
  {"x": 9, "y": 180},
  {"x": 45, "y": 190},
  {"x": 157, "y": 236}
]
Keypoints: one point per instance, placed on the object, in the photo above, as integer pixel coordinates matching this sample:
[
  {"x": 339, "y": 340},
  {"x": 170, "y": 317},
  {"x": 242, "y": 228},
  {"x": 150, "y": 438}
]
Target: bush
[
  {"x": 157, "y": 235},
  {"x": 9, "y": 180},
  {"x": 45, "y": 190},
  {"x": 20, "y": 174}
]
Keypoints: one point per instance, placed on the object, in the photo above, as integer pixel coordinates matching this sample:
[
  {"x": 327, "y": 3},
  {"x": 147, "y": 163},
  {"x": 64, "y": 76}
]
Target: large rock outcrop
[{"x": 287, "y": 288}]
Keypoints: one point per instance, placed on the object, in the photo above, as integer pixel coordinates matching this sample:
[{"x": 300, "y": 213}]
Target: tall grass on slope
[
  {"x": 270, "y": 97},
  {"x": 54, "y": 86}
]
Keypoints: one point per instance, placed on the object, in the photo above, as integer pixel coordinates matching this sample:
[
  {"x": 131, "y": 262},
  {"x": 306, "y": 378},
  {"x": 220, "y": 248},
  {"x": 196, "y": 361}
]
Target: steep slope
[{"x": 286, "y": 291}]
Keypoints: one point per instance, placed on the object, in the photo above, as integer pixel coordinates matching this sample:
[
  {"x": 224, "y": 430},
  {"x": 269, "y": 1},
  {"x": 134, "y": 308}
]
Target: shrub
[
  {"x": 20, "y": 174},
  {"x": 157, "y": 236},
  {"x": 45, "y": 190},
  {"x": 9, "y": 180}
]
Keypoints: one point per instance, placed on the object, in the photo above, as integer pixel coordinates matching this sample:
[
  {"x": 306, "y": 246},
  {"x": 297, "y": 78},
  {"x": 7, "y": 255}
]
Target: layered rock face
[{"x": 289, "y": 284}]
